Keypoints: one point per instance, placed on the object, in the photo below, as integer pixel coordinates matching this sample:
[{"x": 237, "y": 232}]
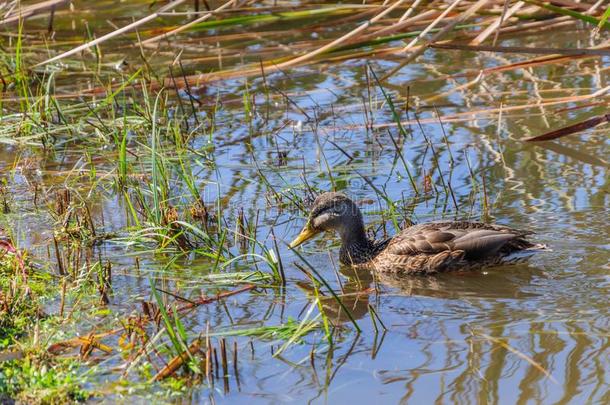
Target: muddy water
[{"x": 535, "y": 332}]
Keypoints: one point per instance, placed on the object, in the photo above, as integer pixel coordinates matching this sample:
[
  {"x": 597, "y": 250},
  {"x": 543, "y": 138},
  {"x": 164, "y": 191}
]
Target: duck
[{"x": 426, "y": 248}]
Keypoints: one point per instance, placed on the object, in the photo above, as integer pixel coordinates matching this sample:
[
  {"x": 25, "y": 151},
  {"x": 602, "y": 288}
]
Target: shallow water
[{"x": 535, "y": 332}]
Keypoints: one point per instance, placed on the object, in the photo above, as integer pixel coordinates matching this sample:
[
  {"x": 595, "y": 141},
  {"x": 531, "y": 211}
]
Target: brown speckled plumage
[{"x": 425, "y": 248}]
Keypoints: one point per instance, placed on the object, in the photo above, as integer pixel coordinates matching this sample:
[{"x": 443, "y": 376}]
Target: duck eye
[
  {"x": 340, "y": 209},
  {"x": 336, "y": 210}
]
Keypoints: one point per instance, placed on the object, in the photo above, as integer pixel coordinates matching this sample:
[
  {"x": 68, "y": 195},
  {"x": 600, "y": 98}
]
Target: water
[{"x": 528, "y": 333}]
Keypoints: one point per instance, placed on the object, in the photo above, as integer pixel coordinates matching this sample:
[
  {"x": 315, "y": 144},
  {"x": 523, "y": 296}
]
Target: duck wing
[{"x": 476, "y": 239}]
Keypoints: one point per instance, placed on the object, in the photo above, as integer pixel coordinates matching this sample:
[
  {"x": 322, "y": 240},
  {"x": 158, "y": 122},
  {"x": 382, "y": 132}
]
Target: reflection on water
[
  {"x": 528, "y": 333},
  {"x": 360, "y": 284},
  {"x": 470, "y": 336}
]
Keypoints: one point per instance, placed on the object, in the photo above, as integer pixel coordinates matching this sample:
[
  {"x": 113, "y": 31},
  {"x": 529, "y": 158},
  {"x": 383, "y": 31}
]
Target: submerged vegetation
[{"x": 157, "y": 156}]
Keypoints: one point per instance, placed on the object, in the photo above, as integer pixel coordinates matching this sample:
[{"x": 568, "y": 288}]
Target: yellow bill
[{"x": 306, "y": 234}]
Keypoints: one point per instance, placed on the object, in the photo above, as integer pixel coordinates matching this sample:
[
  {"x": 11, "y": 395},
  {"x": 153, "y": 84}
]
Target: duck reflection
[
  {"x": 499, "y": 282},
  {"x": 359, "y": 285}
]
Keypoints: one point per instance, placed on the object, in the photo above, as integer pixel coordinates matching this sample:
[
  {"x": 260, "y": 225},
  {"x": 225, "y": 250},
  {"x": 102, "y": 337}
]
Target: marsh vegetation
[{"x": 157, "y": 157}]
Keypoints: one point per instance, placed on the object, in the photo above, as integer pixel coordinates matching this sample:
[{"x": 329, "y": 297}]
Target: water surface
[{"x": 528, "y": 333}]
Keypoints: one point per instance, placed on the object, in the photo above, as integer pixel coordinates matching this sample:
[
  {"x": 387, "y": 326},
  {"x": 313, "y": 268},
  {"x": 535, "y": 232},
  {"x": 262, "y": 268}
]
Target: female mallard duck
[{"x": 425, "y": 248}]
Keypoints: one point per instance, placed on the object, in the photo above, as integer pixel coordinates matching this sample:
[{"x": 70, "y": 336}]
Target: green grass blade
[
  {"x": 602, "y": 21},
  {"x": 571, "y": 13},
  {"x": 332, "y": 292}
]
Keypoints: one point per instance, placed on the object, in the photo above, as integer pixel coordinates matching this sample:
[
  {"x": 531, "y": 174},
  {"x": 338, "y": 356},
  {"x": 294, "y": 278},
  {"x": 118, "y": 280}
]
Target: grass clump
[
  {"x": 17, "y": 308},
  {"x": 28, "y": 373},
  {"x": 39, "y": 378}
]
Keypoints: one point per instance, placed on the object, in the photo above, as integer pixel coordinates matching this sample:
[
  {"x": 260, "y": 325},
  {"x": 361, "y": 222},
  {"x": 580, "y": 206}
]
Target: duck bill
[{"x": 306, "y": 234}]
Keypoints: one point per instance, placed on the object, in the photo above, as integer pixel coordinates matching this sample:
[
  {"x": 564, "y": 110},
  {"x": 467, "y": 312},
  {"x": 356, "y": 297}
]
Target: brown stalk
[
  {"x": 400, "y": 25},
  {"x": 178, "y": 361},
  {"x": 216, "y": 367},
  {"x": 494, "y": 26},
  {"x": 433, "y": 24},
  {"x": 235, "y": 369},
  {"x": 206, "y": 300},
  {"x": 523, "y": 49},
  {"x": 28, "y": 11},
  {"x": 86, "y": 343},
  {"x": 571, "y": 129}
]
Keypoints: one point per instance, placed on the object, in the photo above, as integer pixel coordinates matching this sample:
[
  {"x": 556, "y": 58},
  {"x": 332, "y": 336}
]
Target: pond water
[{"x": 527, "y": 333}]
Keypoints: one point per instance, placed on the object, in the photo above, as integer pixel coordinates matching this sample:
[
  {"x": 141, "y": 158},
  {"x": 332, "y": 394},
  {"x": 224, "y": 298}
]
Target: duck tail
[
  {"x": 525, "y": 252},
  {"x": 539, "y": 247}
]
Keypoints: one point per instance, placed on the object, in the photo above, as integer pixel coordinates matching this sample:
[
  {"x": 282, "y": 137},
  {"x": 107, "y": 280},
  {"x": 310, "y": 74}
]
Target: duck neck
[{"x": 355, "y": 245}]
